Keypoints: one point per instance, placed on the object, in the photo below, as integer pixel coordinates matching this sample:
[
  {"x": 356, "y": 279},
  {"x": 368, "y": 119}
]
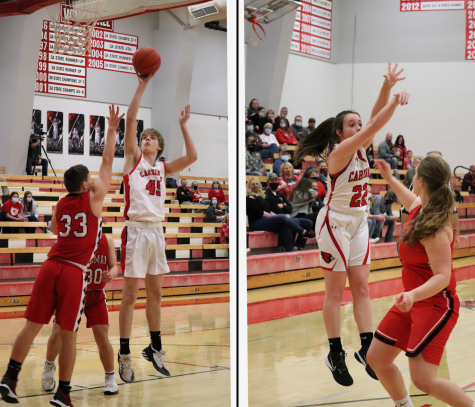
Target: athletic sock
[
  {"x": 366, "y": 339},
  {"x": 156, "y": 340},
  {"x": 50, "y": 364},
  {"x": 124, "y": 346},
  {"x": 13, "y": 369},
  {"x": 109, "y": 373},
  {"x": 64, "y": 387},
  {"x": 405, "y": 402},
  {"x": 335, "y": 344}
]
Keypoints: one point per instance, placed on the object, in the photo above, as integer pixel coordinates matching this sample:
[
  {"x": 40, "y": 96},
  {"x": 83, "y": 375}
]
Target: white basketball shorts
[
  {"x": 343, "y": 240},
  {"x": 143, "y": 252}
]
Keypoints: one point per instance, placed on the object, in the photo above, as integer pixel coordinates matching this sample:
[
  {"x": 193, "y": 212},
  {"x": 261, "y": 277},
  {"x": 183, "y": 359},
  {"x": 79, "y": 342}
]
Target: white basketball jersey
[
  {"x": 145, "y": 192},
  {"x": 348, "y": 189}
]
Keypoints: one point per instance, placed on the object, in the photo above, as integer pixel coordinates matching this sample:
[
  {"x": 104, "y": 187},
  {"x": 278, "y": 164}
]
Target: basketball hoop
[
  {"x": 73, "y": 25},
  {"x": 254, "y": 22}
]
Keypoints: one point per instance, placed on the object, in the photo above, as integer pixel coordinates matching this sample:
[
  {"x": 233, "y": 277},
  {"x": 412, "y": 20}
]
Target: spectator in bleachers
[
  {"x": 5, "y": 190},
  {"x": 224, "y": 232},
  {"x": 215, "y": 213},
  {"x": 197, "y": 197},
  {"x": 321, "y": 166},
  {"x": 284, "y": 135},
  {"x": 468, "y": 183},
  {"x": 254, "y": 164},
  {"x": 183, "y": 194},
  {"x": 217, "y": 192},
  {"x": 11, "y": 212},
  {"x": 387, "y": 152},
  {"x": 408, "y": 160},
  {"x": 259, "y": 119},
  {"x": 302, "y": 198},
  {"x": 268, "y": 138},
  {"x": 29, "y": 210},
  {"x": 401, "y": 152},
  {"x": 311, "y": 125},
  {"x": 288, "y": 180},
  {"x": 270, "y": 116},
  {"x": 316, "y": 176},
  {"x": 370, "y": 155},
  {"x": 283, "y": 115},
  {"x": 372, "y": 218},
  {"x": 262, "y": 218},
  {"x": 297, "y": 129},
  {"x": 411, "y": 172},
  {"x": 250, "y": 128},
  {"x": 382, "y": 206},
  {"x": 170, "y": 181},
  {"x": 252, "y": 108},
  {"x": 284, "y": 156}
]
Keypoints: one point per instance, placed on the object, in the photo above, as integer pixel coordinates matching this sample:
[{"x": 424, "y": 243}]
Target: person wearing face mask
[
  {"x": 259, "y": 119},
  {"x": 217, "y": 192},
  {"x": 29, "y": 210},
  {"x": 183, "y": 194},
  {"x": 314, "y": 176},
  {"x": 284, "y": 156},
  {"x": 214, "y": 212},
  {"x": 266, "y": 143},
  {"x": 254, "y": 164},
  {"x": 11, "y": 212},
  {"x": 297, "y": 128},
  {"x": 382, "y": 206},
  {"x": 284, "y": 135},
  {"x": 283, "y": 115},
  {"x": 197, "y": 197}
]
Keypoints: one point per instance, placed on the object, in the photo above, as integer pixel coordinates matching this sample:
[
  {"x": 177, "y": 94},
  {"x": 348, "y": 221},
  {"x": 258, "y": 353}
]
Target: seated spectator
[
  {"x": 321, "y": 166},
  {"x": 11, "y": 212},
  {"x": 5, "y": 190},
  {"x": 287, "y": 180},
  {"x": 468, "y": 183},
  {"x": 183, "y": 194},
  {"x": 297, "y": 129},
  {"x": 319, "y": 202},
  {"x": 29, "y": 210},
  {"x": 283, "y": 115},
  {"x": 370, "y": 155},
  {"x": 252, "y": 108},
  {"x": 387, "y": 152},
  {"x": 284, "y": 156},
  {"x": 170, "y": 181},
  {"x": 259, "y": 119},
  {"x": 224, "y": 232},
  {"x": 408, "y": 160},
  {"x": 284, "y": 135},
  {"x": 250, "y": 128},
  {"x": 372, "y": 218},
  {"x": 197, "y": 197},
  {"x": 270, "y": 116},
  {"x": 311, "y": 125},
  {"x": 411, "y": 172},
  {"x": 254, "y": 164},
  {"x": 401, "y": 152},
  {"x": 382, "y": 206},
  {"x": 214, "y": 213},
  {"x": 218, "y": 193},
  {"x": 261, "y": 217},
  {"x": 267, "y": 144},
  {"x": 316, "y": 176},
  {"x": 302, "y": 198}
]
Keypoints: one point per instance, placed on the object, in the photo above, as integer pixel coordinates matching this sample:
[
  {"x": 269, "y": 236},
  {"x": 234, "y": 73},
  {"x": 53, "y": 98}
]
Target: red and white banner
[{"x": 313, "y": 29}]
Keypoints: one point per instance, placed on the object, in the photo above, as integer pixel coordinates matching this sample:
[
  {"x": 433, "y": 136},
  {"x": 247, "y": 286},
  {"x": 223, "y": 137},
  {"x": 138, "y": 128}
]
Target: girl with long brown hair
[{"x": 426, "y": 312}]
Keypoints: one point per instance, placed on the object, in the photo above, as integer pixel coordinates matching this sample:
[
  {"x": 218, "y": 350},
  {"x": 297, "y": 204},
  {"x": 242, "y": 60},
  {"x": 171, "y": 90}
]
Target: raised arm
[
  {"x": 191, "y": 156},
  {"x": 341, "y": 155},
  {"x": 131, "y": 150},
  {"x": 102, "y": 183}
]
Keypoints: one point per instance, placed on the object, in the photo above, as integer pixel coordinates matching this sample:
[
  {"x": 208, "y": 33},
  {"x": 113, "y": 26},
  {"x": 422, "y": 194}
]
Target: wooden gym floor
[
  {"x": 196, "y": 337},
  {"x": 286, "y": 356}
]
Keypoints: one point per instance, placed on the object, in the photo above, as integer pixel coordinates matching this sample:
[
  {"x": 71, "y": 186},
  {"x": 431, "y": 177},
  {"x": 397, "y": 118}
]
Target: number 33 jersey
[
  {"x": 348, "y": 189},
  {"x": 99, "y": 264},
  {"x": 79, "y": 231},
  {"x": 145, "y": 192}
]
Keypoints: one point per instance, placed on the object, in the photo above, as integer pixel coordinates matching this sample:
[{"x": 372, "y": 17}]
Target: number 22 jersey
[{"x": 145, "y": 192}]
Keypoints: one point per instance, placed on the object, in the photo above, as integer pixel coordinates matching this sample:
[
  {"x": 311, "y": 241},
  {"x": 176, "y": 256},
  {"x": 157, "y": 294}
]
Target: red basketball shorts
[
  {"x": 58, "y": 287},
  {"x": 96, "y": 310},
  {"x": 424, "y": 329}
]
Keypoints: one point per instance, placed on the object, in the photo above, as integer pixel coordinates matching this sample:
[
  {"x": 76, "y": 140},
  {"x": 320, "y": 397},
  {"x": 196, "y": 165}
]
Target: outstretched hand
[
  {"x": 384, "y": 168},
  {"x": 114, "y": 118},
  {"x": 402, "y": 98},
  {"x": 392, "y": 77},
  {"x": 185, "y": 115}
]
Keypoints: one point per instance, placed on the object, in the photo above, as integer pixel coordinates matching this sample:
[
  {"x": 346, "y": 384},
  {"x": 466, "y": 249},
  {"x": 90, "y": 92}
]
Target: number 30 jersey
[
  {"x": 145, "y": 192},
  {"x": 79, "y": 231},
  {"x": 348, "y": 189},
  {"x": 98, "y": 265}
]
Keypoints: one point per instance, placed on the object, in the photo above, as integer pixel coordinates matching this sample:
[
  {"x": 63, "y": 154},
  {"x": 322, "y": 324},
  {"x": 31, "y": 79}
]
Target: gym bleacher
[{"x": 198, "y": 262}]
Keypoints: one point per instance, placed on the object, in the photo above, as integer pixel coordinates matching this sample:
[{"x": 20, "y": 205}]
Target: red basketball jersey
[
  {"x": 98, "y": 265},
  {"x": 416, "y": 269},
  {"x": 79, "y": 231}
]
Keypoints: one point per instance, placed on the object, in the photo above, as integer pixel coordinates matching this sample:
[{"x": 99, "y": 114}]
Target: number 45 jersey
[
  {"x": 145, "y": 192},
  {"x": 348, "y": 189},
  {"x": 79, "y": 231}
]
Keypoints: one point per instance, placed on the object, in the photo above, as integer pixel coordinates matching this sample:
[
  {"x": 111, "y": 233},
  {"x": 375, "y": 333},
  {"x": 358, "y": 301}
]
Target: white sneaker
[
  {"x": 47, "y": 377},
  {"x": 373, "y": 241},
  {"x": 126, "y": 372},
  {"x": 110, "y": 386}
]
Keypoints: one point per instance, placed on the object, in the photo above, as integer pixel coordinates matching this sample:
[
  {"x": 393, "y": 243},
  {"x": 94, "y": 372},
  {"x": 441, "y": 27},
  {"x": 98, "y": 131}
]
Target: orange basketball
[{"x": 146, "y": 61}]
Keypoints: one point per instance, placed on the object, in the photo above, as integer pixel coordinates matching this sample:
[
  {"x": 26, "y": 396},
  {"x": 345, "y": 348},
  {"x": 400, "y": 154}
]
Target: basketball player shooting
[
  {"x": 60, "y": 287},
  {"x": 143, "y": 241}
]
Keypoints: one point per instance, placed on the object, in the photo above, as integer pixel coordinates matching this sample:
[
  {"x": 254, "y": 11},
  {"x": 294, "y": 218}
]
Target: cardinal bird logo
[{"x": 327, "y": 257}]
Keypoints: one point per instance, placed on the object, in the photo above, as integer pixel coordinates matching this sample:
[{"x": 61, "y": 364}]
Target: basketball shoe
[
  {"x": 7, "y": 390},
  {"x": 47, "y": 377},
  {"x": 157, "y": 358},
  {"x": 360, "y": 356},
  {"x": 126, "y": 372},
  {"x": 110, "y": 386},
  {"x": 336, "y": 363},
  {"x": 61, "y": 400}
]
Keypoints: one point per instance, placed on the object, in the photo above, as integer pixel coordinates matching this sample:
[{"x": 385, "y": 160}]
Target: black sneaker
[
  {"x": 7, "y": 390},
  {"x": 157, "y": 358},
  {"x": 360, "y": 356},
  {"x": 309, "y": 235},
  {"x": 336, "y": 363},
  {"x": 61, "y": 400}
]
